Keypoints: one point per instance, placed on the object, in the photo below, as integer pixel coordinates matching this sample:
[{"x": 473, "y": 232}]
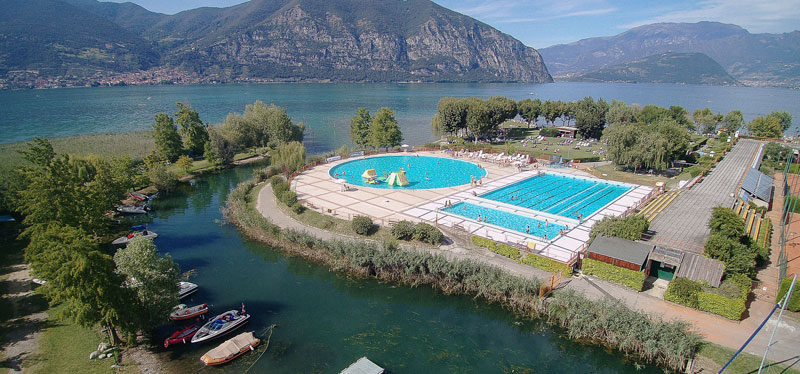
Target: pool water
[
  {"x": 564, "y": 196},
  {"x": 508, "y": 220},
  {"x": 423, "y": 172}
]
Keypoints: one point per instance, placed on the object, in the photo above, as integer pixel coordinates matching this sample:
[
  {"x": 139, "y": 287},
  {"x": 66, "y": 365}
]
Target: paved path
[
  {"x": 684, "y": 223},
  {"x": 713, "y": 328}
]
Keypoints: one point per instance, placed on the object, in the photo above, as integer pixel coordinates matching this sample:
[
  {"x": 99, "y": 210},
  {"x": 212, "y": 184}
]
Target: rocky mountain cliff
[
  {"x": 670, "y": 67},
  {"x": 759, "y": 59},
  {"x": 337, "y": 40}
]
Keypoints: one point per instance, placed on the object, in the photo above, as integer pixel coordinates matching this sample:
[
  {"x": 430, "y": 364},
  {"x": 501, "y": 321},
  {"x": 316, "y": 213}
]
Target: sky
[{"x": 542, "y": 23}]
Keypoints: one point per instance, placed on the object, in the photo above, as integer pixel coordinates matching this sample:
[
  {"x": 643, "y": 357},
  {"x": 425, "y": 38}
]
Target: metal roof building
[{"x": 621, "y": 252}]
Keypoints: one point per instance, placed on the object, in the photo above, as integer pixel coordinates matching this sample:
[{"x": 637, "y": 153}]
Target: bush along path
[{"x": 646, "y": 338}]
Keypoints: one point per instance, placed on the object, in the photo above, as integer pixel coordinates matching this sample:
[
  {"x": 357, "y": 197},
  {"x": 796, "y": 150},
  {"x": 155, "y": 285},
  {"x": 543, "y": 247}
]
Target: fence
[{"x": 786, "y": 218}]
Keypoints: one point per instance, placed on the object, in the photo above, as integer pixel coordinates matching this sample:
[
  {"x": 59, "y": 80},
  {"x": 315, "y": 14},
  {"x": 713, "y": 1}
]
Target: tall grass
[{"x": 607, "y": 322}]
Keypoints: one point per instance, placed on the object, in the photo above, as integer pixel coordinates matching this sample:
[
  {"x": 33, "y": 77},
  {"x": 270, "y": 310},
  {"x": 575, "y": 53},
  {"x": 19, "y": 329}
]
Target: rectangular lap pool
[
  {"x": 560, "y": 195},
  {"x": 510, "y": 221}
]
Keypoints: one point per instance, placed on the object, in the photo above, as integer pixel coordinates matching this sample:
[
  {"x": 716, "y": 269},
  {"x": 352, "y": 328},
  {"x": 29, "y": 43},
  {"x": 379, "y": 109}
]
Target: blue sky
[{"x": 542, "y": 23}]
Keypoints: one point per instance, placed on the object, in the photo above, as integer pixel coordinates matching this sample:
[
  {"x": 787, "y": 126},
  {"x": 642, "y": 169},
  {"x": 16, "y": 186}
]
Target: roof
[
  {"x": 621, "y": 249},
  {"x": 363, "y": 366},
  {"x": 758, "y": 184},
  {"x": 699, "y": 268},
  {"x": 667, "y": 256}
]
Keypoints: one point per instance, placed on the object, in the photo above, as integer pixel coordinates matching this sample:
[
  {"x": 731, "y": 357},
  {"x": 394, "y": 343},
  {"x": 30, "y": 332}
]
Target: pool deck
[{"x": 317, "y": 189}]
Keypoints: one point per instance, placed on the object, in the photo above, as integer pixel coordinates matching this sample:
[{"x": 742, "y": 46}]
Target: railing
[{"x": 786, "y": 219}]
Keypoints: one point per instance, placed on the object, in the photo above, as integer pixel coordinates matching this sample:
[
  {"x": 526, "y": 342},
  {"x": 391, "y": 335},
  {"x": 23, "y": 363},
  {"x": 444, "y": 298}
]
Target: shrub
[
  {"x": 626, "y": 277},
  {"x": 794, "y": 168},
  {"x": 549, "y": 132},
  {"x": 164, "y": 179},
  {"x": 631, "y": 227},
  {"x": 288, "y": 198},
  {"x": 276, "y": 180},
  {"x": 292, "y": 155},
  {"x": 427, "y": 233},
  {"x": 727, "y": 307},
  {"x": 499, "y": 248},
  {"x": 546, "y": 264},
  {"x": 362, "y": 225},
  {"x": 683, "y": 291},
  {"x": 298, "y": 208},
  {"x": 403, "y": 230},
  {"x": 794, "y": 300}
]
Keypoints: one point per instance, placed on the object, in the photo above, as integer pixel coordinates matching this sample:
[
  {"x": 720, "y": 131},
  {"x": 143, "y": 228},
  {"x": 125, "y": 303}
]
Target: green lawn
[
  {"x": 714, "y": 356},
  {"x": 518, "y": 134}
]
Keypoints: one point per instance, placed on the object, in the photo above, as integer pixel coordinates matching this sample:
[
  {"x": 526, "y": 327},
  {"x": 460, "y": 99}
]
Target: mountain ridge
[
  {"x": 753, "y": 59},
  {"x": 669, "y": 67},
  {"x": 342, "y": 40}
]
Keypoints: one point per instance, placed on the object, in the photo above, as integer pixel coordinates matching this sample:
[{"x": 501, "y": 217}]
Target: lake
[
  {"x": 328, "y": 320},
  {"x": 326, "y": 108}
]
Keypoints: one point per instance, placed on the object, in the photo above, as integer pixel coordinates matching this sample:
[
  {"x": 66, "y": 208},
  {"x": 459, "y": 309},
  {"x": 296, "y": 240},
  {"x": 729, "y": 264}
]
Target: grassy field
[
  {"x": 712, "y": 357},
  {"x": 518, "y": 134},
  {"x": 136, "y": 145}
]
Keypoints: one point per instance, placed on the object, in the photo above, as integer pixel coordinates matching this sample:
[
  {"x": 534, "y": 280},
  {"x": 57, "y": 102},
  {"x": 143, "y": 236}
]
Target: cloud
[{"x": 755, "y": 15}]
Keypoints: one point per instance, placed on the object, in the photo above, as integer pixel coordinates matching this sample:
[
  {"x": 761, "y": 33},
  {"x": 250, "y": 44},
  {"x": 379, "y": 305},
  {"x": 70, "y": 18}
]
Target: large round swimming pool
[{"x": 422, "y": 172}]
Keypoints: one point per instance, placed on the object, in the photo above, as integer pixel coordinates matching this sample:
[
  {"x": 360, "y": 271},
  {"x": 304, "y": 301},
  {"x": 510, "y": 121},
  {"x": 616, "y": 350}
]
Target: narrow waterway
[{"x": 327, "y": 320}]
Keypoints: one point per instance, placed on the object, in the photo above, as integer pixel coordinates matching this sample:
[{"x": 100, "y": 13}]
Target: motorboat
[
  {"x": 183, "y": 335},
  {"x": 221, "y": 325},
  {"x": 133, "y": 209},
  {"x": 182, "y": 312},
  {"x": 122, "y": 240},
  {"x": 231, "y": 349},
  {"x": 186, "y": 289}
]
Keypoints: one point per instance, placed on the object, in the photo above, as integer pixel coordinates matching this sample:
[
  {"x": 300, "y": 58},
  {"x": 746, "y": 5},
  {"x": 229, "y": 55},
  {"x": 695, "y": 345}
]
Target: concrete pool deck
[{"x": 317, "y": 189}]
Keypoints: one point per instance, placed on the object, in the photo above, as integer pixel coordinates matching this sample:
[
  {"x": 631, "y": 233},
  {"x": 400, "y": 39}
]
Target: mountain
[
  {"x": 670, "y": 67},
  {"x": 291, "y": 40},
  {"x": 57, "y": 38},
  {"x": 757, "y": 59}
]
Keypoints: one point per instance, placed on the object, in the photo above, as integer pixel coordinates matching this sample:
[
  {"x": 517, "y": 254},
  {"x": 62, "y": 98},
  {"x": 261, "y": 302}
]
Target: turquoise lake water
[
  {"x": 565, "y": 196},
  {"x": 327, "y": 320},
  {"x": 326, "y": 108},
  {"x": 422, "y": 172}
]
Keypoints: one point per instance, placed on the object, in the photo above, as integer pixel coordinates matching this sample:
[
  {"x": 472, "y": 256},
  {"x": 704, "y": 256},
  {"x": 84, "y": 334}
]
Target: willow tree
[{"x": 195, "y": 133}]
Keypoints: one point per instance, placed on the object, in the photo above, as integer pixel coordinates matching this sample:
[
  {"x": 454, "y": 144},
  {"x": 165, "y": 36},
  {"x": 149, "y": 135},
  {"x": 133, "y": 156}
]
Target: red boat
[{"x": 182, "y": 336}]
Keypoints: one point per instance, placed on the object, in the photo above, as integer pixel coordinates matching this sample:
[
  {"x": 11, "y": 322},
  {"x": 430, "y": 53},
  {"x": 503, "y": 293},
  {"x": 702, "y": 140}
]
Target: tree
[
  {"x": 706, "y": 120},
  {"x": 727, "y": 223},
  {"x": 766, "y": 127},
  {"x": 270, "y": 124},
  {"x": 784, "y": 117},
  {"x": 652, "y": 113},
  {"x": 359, "y": 128},
  {"x": 291, "y": 155},
  {"x": 80, "y": 276},
  {"x": 222, "y": 149},
  {"x": 152, "y": 278},
  {"x": 384, "y": 131},
  {"x": 185, "y": 162},
  {"x": 530, "y": 110},
  {"x": 478, "y": 117},
  {"x": 733, "y": 120},
  {"x": 69, "y": 191},
  {"x": 590, "y": 117},
  {"x": 776, "y": 152},
  {"x": 192, "y": 128},
  {"x": 163, "y": 179},
  {"x": 619, "y": 112},
  {"x": 501, "y": 109},
  {"x": 167, "y": 139},
  {"x": 550, "y": 111},
  {"x": 631, "y": 227},
  {"x": 681, "y": 116},
  {"x": 639, "y": 145}
]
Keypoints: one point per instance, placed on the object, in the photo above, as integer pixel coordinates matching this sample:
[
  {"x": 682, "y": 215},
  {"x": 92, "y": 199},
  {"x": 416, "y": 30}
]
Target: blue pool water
[
  {"x": 423, "y": 172},
  {"x": 564, "y": 196},
  {"x": 510, "y": 221}
]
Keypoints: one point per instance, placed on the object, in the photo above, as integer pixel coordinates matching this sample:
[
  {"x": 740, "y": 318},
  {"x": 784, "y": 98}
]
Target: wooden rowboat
[
  {"x": 182, "y": 312},
  {"x": 231, "y": 349}
]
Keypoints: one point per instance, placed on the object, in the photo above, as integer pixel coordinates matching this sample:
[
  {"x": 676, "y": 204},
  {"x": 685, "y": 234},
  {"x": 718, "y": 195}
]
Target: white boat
[
  {"x": 122, "y": 240},
  {"x": 133, "y": 209},
  {"x": 221, "y": 325},
  {"x": 186, "y": 289}
]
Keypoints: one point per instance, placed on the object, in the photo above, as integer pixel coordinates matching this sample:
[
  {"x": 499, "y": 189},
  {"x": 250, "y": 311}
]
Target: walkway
[
  {"x": 713, "y": 328},
  {"x": 684, "y": 223}
]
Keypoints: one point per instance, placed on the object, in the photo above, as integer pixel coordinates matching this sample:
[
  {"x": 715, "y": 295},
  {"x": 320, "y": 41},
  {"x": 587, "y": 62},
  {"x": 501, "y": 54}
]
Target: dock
[{"x": 363, "y": 366}]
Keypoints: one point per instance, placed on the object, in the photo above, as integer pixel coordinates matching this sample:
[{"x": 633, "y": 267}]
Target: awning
[{"x": 666, "y": 256}]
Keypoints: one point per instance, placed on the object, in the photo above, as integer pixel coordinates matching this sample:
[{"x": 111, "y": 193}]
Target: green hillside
[{"x": 688, "y": 68}]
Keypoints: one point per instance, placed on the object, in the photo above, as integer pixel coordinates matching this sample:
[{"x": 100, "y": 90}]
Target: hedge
[
  {"x": 701, "y": 296},
  {"x": 794, "y": 301},
  {"x": 499, "y": 248},
  {"x": 626, "y": 277},
  {"x": 362, "y": 225},
  {"x": 546, "y": 264}
]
